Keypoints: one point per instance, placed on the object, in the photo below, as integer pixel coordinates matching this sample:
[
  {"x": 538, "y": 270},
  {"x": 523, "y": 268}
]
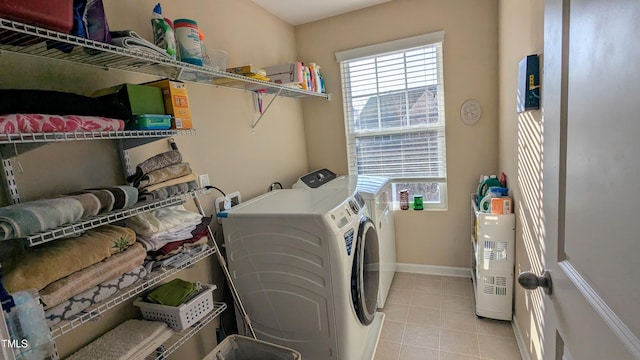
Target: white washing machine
[
  {"x": 376, "y": 191},
  {"x": 306, "y": 266}
]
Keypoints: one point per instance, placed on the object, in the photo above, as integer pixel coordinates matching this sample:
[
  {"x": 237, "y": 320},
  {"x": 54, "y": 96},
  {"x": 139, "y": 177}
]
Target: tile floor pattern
[{"x": 430, "y": 317}]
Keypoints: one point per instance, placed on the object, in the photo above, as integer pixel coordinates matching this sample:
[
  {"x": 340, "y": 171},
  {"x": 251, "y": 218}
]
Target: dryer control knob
[{"x": 354, "y": 206}]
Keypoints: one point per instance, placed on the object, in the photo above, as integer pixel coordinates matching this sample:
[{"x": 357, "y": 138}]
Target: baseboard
[
  {"x": 435, "y": 270},
  {"x": 522, "y": 346}
]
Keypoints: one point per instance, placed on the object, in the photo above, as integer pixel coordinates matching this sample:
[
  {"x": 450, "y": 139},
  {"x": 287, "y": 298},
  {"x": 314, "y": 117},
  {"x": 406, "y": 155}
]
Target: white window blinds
[{"x": 394, "y": 108}]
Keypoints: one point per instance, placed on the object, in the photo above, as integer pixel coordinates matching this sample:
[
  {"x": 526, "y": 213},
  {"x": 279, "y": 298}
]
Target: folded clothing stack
[
  {"x": 162, "y": 226},
  {"x": 174, "y": 293},
  {"x": 32, "y": 217},
  {"x": 131, "y": 340},
  {"x": 38, "y": 267},
  {"x": 199, "y": 236},
  {"x": 162, "y": 176}
]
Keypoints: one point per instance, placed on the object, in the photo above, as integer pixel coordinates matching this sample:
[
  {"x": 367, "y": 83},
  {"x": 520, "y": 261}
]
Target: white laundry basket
[
  {"x": 237, "y": 347},
  {"x": 180, "y": 317}
]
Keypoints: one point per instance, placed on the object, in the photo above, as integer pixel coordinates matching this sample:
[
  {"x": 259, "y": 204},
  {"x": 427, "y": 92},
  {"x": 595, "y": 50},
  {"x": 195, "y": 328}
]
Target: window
[{"x": 394, "y": 115}]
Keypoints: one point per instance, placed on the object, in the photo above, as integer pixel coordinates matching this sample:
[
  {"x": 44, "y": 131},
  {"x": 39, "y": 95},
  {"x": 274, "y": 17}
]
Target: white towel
[
  {"x": 131, "y": 340},
  {"x": 162, "y": 219}
]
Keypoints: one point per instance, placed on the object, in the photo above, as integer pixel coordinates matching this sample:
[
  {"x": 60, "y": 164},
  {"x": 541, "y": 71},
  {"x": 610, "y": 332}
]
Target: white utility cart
[{"x": 492, "y": 262}]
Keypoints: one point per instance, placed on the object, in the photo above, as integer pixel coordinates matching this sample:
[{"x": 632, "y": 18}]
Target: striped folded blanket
[
  {"x": 131, "y": 340},
  {"x": 168, "y": 191}
]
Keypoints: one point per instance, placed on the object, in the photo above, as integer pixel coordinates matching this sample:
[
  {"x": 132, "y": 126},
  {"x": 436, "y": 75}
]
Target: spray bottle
[{"x": 163, "y": 35}]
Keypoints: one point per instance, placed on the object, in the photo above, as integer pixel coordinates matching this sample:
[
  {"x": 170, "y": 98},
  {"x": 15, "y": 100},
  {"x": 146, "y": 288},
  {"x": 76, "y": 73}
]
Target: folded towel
[
  {"x": 90, "y": 204},
  {"x": 124, "y": 195},
  {"x": 161, "y": 219},
  {"x": 154, "y": 163},
  {"x": 129, "y": 39},
  {"x": 180, "y": 180},
  {"x": 156, "y": 241},
  {"x": 110, "y": 268},
  {"x": 177, "y": 247},
  {"x": 105, "y": 197},
  {"x": 32, "y": 217},
  {"x": 131, "y": 340},
  {"x": 43, "y": 123},
  {"x": 164, "y": 174},
  {"x": 174, "y": 293},
  {"x": 168, "y": 191},
  {"x": 75, "y": 305},
  {"x": 39, "y": 267}
]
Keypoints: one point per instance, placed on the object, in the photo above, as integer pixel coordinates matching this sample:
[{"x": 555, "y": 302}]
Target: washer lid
[{"x": 292, "y": 202}]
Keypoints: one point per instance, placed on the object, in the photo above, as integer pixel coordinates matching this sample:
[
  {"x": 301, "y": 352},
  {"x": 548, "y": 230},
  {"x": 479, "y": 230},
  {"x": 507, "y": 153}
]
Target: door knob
[{"x": 531, "y": 281}]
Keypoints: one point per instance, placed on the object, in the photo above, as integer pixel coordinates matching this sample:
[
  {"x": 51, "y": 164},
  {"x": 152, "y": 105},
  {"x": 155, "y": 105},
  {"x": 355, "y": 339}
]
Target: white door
[{"x": 591, "y": 186}]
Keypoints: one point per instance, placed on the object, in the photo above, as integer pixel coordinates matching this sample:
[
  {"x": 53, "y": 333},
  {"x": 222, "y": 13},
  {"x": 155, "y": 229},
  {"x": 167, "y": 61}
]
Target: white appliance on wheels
[
  {"x": 376, "y": 192},
  {"x": 306, "y": 266}
]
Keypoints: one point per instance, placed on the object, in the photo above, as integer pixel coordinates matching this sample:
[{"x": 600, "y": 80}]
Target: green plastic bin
[{"x": 238, "y": 347}]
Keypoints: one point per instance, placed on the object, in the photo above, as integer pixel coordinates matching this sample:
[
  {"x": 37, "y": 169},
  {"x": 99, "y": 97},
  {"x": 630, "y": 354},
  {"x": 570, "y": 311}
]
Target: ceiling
[{"x": 298, "y": 12}]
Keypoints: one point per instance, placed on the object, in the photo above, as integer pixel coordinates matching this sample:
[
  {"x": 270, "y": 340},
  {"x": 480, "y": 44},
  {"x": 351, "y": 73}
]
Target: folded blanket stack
[
  {"x": 43, "y": 123},
  {"x": 29, "y": 218},
  {"x": 38, "y": 267},
  {"x": 108, "y": 269},
  {"x": 162, "y": 176},
  {"x": 78, "y": 303},
  {"x": 131, "y": 340},
  {"x": 161, "y": 226}
]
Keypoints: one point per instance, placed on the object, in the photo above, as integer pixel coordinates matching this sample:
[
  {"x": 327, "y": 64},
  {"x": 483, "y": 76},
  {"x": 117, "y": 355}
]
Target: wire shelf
[
  {"x": 23, "y": 138},
  {"x": 124, "y": 295},
  {"x": 187, "y": 334},
  {"x": 25, "y": 39},
  {"x": 108, "y": 218}
]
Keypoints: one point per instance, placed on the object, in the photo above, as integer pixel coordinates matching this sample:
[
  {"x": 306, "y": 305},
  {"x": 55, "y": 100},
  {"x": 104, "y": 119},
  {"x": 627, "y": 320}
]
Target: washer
[
  {"x": 376, "y": 191},
  {"x": 306, "y": 266}
]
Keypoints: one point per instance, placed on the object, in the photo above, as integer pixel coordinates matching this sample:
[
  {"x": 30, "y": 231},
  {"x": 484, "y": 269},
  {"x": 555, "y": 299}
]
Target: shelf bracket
[
  {"x": 253, "y": 127},
  {"x": 12, "y": 185}
]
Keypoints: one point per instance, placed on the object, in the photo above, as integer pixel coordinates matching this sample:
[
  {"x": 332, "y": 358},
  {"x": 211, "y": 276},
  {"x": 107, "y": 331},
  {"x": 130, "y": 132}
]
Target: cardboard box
[
  {"x": 285, "y": 73},
  {"x": 176, "y": 102},
  {"x": 501, "y": 205},
  {"x": 133, "y": 99}
]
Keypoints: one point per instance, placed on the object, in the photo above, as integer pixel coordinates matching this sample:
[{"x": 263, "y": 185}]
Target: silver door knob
[{"x": 531, "y": 281}]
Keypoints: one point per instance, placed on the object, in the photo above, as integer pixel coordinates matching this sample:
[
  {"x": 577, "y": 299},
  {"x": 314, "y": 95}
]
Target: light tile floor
[{"x": 431, "y": 317}]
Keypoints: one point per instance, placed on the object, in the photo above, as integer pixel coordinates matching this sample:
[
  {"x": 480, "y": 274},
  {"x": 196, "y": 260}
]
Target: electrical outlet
[
  {"x": 235, "y": 198},
  {"x": 204, "y": 180},
  {"x": 225, "y": 203}
]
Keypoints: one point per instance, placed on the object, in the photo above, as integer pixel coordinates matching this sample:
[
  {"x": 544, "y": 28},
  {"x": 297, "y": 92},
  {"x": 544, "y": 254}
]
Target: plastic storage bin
[
  {"x": 183, "y": 316},
  {"x": 149, "y": 122},
  {"x": 237, "y": 347},
  {"x": 51, "y": 14}
]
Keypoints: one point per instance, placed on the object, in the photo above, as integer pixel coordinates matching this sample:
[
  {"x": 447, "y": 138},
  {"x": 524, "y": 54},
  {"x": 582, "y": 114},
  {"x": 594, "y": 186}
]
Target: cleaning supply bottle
[
  {"x": 188, "y": 39},
  {"x": 163, "y": 35},
  {"x": 317, "y": 78}
]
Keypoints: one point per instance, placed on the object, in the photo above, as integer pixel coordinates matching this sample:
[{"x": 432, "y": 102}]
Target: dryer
[
  {"x": 306, "y": 266},
  {"x": 376, "y": 191}
]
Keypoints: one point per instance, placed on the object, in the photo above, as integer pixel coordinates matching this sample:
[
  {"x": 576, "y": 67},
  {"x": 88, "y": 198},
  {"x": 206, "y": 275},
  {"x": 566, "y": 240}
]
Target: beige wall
[
  {"x": 470, "y": 72},
  {"x": 520, "y": 154},
  {"x": 224, "y": 147}
]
